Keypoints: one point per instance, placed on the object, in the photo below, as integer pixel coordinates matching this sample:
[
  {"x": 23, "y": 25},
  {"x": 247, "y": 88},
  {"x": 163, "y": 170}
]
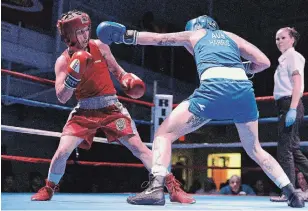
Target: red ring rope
[
  {"x": 50, "y": 82},
  {"x": 46, "y": 81},
  {"x": 91, "y": 163}
]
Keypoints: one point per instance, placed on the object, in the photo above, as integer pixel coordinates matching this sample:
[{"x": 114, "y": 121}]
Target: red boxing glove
[
  {"x": 78, "y": 64},
  {"x": 132, "y": 85}
]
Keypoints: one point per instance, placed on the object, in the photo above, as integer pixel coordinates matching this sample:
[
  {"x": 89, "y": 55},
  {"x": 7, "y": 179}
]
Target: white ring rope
[{"x": 104, "y": 140}]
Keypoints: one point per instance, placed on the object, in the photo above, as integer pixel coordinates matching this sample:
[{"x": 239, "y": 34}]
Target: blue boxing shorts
[{"x": 225, "y": 99}]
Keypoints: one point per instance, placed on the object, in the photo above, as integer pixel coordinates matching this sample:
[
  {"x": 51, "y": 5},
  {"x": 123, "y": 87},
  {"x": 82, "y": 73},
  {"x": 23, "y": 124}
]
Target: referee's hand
[{"x": 291, "y": 117}]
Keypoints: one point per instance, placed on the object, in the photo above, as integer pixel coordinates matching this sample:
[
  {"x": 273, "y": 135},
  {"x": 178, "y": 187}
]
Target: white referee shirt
[{"x": 289, "y": 62}]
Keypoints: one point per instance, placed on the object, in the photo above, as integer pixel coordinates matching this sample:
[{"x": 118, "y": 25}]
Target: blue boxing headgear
[{"x": 202, "y": 22}]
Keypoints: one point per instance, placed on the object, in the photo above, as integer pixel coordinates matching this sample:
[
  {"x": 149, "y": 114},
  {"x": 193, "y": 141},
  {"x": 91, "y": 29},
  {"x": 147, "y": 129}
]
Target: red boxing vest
[{"x": 96, "y": 80}]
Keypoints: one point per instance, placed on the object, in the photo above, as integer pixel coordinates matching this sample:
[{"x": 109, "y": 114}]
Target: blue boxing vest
[{"x": 216, "y": 49}]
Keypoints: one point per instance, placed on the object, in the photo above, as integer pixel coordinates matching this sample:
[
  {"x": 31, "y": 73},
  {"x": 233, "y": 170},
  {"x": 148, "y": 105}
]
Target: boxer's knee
[
  {"x": 136, "y": 146},
  {"x": 67, "y": 145},
  {"x": 140, "y": 153},
  {"x": 168, "y": 136},
  {"x": 63, "y": 153}
]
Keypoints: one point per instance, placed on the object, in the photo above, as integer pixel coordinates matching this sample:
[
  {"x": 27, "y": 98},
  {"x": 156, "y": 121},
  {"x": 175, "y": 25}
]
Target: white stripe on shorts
[{"x": 224, "y": 72}]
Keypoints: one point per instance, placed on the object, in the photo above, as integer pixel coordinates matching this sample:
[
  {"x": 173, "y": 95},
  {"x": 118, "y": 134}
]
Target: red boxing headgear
[{"x": 70, "y": 22}]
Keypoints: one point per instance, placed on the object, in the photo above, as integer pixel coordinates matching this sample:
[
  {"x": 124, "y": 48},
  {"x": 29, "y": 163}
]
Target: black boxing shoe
[
  {"x": 296, "y": 199},
  {"x": 152, "y": 195}
]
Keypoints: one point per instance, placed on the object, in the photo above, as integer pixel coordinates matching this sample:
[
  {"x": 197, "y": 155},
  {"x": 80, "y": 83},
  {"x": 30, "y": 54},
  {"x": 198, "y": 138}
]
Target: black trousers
[{"x": 289, "y": 154}]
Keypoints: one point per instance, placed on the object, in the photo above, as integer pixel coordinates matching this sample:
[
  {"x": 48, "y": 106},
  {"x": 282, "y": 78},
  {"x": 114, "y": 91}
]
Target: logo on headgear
[
  {"x": 213, "y": 24},
  {"x": 84, "y": 19},
  {"x": 197, "y": 26}
]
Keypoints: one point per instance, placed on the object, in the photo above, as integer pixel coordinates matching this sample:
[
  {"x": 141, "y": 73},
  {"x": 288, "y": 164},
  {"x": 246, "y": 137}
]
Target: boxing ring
[{"x": 117, "y": 201}]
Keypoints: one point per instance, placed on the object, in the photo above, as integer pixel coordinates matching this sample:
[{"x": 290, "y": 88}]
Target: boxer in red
[{"x": 83, "y": 69}]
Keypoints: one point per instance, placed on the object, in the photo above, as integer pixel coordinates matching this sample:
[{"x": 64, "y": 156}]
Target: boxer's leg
[
  {"x": 180, "y": 122},
  {"x": 141, "y": 151},
  {"x": 138, "y": 148},
  {"x": 248, "y": 133},
  {"x": 58, "y": 163},
  {"x": 57, "y": 167}
]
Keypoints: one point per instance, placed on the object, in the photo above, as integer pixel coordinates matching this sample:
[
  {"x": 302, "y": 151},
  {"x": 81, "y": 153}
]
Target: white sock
[
  {"x": 55, "y": 178},
  {"x": 282, "y": 181},
  {"x": 159, "y": 170}
]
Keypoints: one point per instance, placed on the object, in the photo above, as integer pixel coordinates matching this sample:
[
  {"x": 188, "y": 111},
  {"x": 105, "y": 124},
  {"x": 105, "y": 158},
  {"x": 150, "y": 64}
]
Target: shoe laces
[
  {"x": 146, "y": 184},
  {"x": 56, "y": 188},
  {"x": 45, "y": 189},
  {"x": 175, "y": 185}
]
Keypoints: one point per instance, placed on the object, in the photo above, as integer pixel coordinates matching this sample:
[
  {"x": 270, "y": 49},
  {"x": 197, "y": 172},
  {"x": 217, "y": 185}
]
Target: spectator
[
  {"x": 36, "y": 181},
  {"x": 9, "y": 183},
  {"x": 236, "y": 187},
  {"x": 196, "y": 186},
  {"x": 302, "y": 184},
  {"x": 261, "y": 188},
  {"x": 6, "y": 165},
  {"x": 209, "y": 186}
]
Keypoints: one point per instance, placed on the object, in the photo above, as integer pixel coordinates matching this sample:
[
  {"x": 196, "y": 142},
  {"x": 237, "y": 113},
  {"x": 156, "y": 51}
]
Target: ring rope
[
  {"x": 35, "y": 103},
  {"x": 50, "y": 82},
  {"x": 46, "y": 81},
  {"x": 138, "y": 121},
  {"x": 48, "y": 105},
  {"x": 114, "y": 164},
  {"x": 88, "y": 163},
  {"x": 104, "y": 140}
]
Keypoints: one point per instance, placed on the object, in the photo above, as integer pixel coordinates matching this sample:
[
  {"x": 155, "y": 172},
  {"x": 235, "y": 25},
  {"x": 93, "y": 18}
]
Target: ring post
[{"x": 162, "y": 108}]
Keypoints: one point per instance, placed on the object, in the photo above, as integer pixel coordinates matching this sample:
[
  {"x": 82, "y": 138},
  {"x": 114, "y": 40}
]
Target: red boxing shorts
[{"x": 114, "y": 120}]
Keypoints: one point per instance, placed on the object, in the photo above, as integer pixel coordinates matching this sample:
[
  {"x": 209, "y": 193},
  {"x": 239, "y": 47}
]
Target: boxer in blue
[{"x": 224, "y": 93}]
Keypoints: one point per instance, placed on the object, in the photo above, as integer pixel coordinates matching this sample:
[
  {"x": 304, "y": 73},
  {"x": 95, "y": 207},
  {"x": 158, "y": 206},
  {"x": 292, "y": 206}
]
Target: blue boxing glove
[
  {"x": 290, "y": 117},
  {"x": 109, "y": 32}
]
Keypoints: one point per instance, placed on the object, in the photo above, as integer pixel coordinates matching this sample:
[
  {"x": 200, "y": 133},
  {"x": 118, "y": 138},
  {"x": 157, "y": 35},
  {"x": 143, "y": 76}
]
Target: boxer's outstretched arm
[
  {"x": 63, "y": 93},
  {"x": 169, "y": 39},
  {"x": 113, "y": 65},
  {"x": 111, "y": 32}
]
